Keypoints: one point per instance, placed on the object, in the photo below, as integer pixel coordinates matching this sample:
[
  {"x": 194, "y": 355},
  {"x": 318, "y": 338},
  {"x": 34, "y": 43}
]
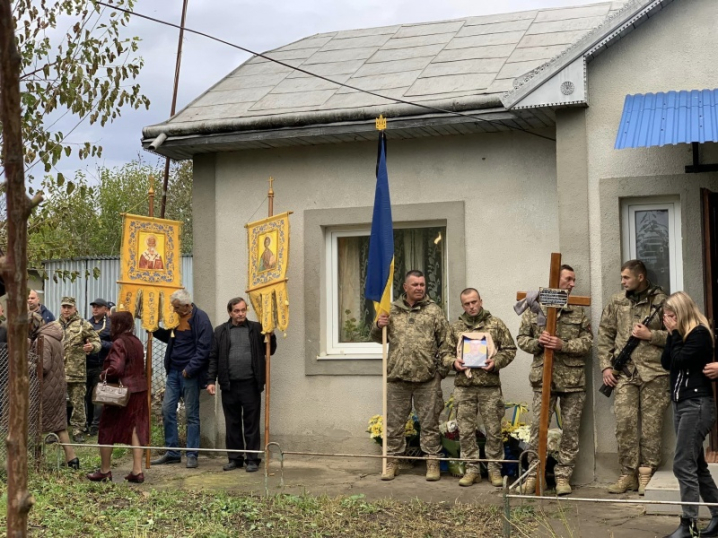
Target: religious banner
[
  {"x": 150, "y": 269},
  {"x": 268, "y": 243}
]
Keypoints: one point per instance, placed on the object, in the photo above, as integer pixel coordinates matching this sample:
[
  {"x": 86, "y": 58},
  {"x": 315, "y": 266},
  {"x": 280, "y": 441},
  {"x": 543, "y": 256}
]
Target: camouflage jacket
[
  {"x": 617, "y": 321},
  {"x": 415, "y": 335},
  {"x": 77, "y": 332},
  {"x": 569, "y": 364},
  {"x": 505, "y": 348}
]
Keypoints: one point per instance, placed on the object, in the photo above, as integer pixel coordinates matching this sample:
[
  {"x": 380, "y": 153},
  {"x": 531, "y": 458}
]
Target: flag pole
[
  {"x": 381, "y": 126},
  {"x": 268, "y": 351},
  {"x": 148, "y": 365}
]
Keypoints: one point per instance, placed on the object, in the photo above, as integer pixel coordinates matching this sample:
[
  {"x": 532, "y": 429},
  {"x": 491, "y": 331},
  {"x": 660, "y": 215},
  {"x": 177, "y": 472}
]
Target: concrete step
[{"x": 664, "y": 487}]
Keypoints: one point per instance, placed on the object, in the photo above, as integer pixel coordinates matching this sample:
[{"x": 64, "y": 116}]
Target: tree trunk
[{"x": 14, "y": 271}]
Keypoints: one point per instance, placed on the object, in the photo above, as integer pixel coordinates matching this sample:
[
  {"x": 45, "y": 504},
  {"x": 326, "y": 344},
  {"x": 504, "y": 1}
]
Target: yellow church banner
[
  {"x": 268, "y": 242},
  {"x": 150, "y": 269}
]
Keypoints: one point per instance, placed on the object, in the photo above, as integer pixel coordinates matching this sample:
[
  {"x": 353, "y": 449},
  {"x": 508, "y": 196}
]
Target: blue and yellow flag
[{"x": 380, "y": 272}]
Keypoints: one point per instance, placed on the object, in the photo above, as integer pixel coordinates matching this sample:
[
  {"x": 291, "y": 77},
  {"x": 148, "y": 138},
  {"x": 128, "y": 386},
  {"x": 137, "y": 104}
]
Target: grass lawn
[{"x": 69, "y": 505}]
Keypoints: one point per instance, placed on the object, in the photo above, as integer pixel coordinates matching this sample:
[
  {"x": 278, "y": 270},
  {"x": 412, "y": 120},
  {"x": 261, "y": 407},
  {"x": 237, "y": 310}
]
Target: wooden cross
[{"x": 550, "y": 302}]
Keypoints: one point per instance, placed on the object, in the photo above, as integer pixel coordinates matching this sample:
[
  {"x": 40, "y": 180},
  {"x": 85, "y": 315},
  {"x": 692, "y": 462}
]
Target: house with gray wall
[{"x": 588, "y": 130}]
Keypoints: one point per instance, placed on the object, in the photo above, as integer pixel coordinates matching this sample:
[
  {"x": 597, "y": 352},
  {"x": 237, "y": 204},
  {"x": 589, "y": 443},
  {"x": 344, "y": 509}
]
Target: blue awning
[{"x": 658, "y": 119}]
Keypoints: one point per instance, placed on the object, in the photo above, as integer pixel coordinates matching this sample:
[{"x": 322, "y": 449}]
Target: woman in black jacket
[{"x": 688, "y": 350}]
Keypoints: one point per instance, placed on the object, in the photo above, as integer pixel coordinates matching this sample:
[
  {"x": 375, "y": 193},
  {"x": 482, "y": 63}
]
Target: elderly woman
[
  {"x": 127, "y": 425},
  {"x": 54, "y": 386},
  {"x": 688, "y": 351}
]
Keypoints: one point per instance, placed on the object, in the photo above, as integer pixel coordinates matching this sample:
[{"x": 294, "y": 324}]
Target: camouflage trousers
[
  {"x": 428, "y": 401},
  {"x": 488, "y": 401},
  {"x": 78, "y": 419},
  {"x": 639, "y": 409},
  {"x": 571, "y": 405}
]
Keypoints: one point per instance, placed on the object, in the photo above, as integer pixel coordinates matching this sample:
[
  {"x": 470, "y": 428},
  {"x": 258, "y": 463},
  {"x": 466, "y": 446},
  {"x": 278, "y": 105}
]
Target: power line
[{"x": 315, "y": 75}]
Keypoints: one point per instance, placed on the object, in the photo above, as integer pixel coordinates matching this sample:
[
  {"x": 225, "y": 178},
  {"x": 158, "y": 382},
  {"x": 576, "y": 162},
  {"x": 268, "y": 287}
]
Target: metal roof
[
  {"x": 677, "y": 117},
  {"x": 464, "y": 63}
]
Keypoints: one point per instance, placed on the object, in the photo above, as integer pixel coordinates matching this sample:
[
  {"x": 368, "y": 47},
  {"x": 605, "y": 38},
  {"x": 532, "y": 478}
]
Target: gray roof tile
[{"x": 466, "y": 57}]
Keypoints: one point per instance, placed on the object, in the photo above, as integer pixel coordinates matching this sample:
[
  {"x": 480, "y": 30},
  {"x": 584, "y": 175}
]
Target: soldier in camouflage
[
  {"x": 78, "y": 333},
  {"x": 416, "y": 329},
  {"x": 478, "y": 390},
  {"x": 571, "y": 345},
  {"x": 642, "y": 389}
]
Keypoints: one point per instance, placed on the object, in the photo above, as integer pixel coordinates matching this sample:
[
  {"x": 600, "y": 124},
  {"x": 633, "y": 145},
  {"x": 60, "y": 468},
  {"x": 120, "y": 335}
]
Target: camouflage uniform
[
  {"x": 77, "y": 332},
  {"x": 568, "y": 378},
  {"x": 643, "y": 390},
  {"x": 480, "y": 393},
  {"x": 415, "y": 335}
]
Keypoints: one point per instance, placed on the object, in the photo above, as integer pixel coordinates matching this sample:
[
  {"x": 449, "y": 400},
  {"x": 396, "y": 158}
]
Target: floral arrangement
[
  {"x": 515, "y": 428},
  {"x": 375, "y": 428}
]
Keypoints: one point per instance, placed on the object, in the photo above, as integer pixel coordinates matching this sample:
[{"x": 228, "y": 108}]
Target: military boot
[
  {"x": 432, "y": 470},
  {"x": 625, "y": 482},
  {"x": 472, "y": 476},
  {"x": 495, "y": 477},
  {"x": 644, "y": 477},
  {"x": 528, "y": 487},
  {"x": 392, "y": 469},
  {"x": 563, "y": 487}
]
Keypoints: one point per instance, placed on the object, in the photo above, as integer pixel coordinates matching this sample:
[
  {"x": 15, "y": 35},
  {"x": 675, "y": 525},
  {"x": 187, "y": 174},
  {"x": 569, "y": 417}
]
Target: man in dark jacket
[
  {"x": 100, "y": 321},
  {"x": 33, "y": 305},
  {"x": 188, "y": 347},
  {"x": 238, "y": 359}
]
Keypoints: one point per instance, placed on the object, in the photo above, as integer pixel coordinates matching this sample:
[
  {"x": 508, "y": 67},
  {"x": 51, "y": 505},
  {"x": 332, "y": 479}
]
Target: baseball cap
[
  {"x": 68, "y": 301},
  {"x": 110, "y": 304},
  {"x": 99, "y": 302}
]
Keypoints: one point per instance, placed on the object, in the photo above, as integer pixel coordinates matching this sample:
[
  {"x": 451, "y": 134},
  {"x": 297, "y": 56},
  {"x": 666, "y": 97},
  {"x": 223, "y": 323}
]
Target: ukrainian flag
[{"x": 380, "y": 272}]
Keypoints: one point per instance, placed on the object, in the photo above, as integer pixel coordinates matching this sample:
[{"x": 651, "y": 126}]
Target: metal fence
[{"x": 34, "y": 432}]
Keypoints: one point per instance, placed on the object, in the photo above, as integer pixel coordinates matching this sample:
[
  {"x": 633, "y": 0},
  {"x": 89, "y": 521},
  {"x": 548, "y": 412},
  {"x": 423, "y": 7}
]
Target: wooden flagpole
[
  {"x": 268, "y": 348},
  {"x": 148, "y": 364},
  {"x": 383, "y": 397}
]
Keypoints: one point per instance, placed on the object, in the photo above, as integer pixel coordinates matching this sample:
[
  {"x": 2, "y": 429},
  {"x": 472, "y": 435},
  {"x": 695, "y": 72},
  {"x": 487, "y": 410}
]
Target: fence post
[{"x": 39, "y": 354}]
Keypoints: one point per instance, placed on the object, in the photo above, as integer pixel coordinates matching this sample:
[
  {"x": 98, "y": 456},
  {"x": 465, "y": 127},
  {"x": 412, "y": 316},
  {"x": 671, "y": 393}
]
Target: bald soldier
[{"x": 478, "y": 390}]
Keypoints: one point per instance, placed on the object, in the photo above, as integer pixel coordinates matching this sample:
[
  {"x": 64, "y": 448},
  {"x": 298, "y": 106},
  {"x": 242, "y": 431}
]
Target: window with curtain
[{"x": 351, "y": 314}]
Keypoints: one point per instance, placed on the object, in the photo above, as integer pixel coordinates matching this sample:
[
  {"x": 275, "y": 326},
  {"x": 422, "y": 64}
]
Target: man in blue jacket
[{"x": 188, "y": 347}]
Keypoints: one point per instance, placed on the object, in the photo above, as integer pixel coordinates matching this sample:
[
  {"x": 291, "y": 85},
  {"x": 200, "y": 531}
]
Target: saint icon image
[
  {"x": 267, "y": 260},
  {"x": 151, "y": 258}
]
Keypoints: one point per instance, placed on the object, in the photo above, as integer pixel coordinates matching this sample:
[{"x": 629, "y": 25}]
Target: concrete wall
[
  {"x": 674, "y": 50},
  {"x": 507, "y": 185}
]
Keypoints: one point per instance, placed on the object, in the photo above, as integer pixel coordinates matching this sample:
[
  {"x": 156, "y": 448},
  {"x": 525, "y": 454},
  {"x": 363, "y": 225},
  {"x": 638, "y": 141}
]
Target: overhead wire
[{"x": 322, "y": 77}]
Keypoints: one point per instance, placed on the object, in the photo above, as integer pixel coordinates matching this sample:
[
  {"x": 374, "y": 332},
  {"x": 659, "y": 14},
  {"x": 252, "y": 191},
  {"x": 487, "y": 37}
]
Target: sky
[{"x": 256, "y": 25}]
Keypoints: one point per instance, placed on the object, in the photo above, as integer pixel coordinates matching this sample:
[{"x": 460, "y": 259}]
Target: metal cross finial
[{"x": 271, "y": 189}]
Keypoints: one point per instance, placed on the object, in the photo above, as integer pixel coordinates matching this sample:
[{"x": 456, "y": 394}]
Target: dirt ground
[{"x": 337, "y": 476}]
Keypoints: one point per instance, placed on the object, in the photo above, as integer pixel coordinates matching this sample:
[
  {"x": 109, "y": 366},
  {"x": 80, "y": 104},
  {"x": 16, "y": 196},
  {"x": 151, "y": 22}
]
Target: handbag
[{"x": 116, "y": 395}]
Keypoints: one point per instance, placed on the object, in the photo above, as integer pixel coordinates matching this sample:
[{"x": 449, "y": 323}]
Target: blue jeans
[
  {"x": 188, "y": 389},
  {"x": 693, "y": 420}
]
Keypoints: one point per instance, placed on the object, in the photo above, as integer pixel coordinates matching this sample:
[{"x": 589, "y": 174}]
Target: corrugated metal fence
[{"x": 88, "y": 288}]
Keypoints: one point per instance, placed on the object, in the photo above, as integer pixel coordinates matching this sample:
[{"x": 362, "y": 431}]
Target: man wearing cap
[
  {"x": 100, "y": 322},
  {"x": 79, "y": 339},
  {"x": 33, "y": 305}
]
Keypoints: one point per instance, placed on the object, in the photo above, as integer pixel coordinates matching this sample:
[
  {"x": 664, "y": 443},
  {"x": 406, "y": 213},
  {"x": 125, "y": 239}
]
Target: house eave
[{"x": 491, "y": 120}]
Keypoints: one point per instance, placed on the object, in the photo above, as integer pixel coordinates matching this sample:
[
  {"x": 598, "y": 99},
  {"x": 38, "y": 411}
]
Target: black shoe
[
  {"x": 711, "y": 531},
  {"x": 192, "y": 462},
  {"x": 166, "y": 459},
  {"x": 94, "y": 430},
  {"x": 78, "y": 438},
  {"x": 74, "y": 464},
  {"x": 686, "y": 529},
  {"x": 232, "y": 465},
  {"x": 252, "y": 467}
]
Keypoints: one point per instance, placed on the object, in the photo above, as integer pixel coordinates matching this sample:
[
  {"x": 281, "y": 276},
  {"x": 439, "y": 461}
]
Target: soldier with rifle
[{"x": 641, "y": 385}]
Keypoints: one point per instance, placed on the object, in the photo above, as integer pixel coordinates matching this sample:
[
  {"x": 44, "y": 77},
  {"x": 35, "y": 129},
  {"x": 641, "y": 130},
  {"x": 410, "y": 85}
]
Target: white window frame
[
  {"x": 353, "y": 350},
  {"x": 675, "y": 243}
]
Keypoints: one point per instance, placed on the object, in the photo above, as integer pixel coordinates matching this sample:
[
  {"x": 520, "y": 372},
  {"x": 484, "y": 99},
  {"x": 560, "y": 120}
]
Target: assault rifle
[{"x": 619, "y": 362}]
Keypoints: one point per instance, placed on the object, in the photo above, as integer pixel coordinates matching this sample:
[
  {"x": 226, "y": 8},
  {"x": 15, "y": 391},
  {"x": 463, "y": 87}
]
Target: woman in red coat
[{"x": 126, "y": 425}]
